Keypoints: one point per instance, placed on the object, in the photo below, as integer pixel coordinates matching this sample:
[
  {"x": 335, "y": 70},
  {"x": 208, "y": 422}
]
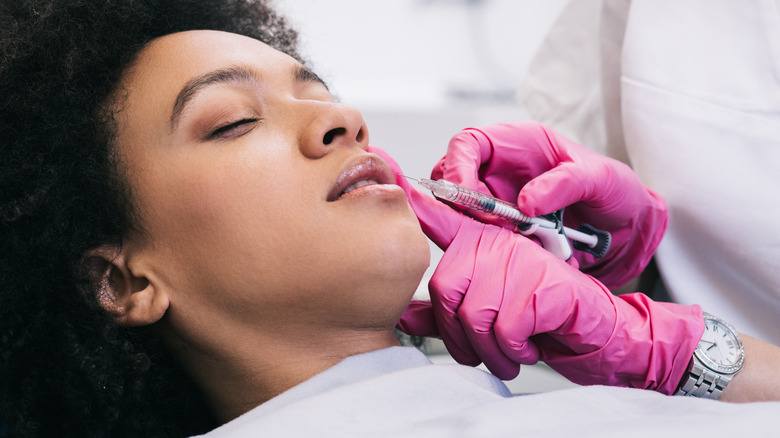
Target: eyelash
[{"x": 224, "y": 130}]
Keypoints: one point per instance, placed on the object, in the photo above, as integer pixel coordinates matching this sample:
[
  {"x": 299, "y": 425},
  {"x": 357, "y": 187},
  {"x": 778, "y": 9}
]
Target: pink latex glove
[
  {"x": 499, "y": 298},
  {"x": 542, "y": 171}
]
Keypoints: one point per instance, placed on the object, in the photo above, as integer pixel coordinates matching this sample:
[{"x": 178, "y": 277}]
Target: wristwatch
[{"x": 717, "y": 358}]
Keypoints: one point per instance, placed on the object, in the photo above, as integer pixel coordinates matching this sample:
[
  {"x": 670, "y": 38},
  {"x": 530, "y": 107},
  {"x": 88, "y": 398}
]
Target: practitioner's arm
[{"x": 759, "y": 379}]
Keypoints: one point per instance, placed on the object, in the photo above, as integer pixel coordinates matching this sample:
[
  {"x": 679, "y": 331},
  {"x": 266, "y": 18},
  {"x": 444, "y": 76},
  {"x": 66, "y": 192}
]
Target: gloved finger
[
  {"x": 545, "y": 310},
  {"x": 418, "y": 319},
  {"x": 476, "y": 184},
  {"x": 514, "y": 327},
  {"x": 438, "y": 221},
  {"x": 467, "y": 151},
  {"x": 557, "y": 188},
  {"x": 438, "y": 173},
  {"x": 485, "y": 301},
  {"x": 448, "y": 286},
  {"x": 438, "y": 169},
  {"x": 488, "y": 350}
]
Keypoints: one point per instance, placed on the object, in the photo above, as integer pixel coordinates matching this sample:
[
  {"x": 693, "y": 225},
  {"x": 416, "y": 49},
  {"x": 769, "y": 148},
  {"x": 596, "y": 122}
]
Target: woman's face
[{"x": 239, "y": 160}]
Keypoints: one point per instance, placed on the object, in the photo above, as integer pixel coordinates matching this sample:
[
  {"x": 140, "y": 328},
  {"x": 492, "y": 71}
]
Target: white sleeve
[
  {"x": 700, "y": 97},
  {"x": 688, "y": 94},
  {"x": 572, "y": 84}
]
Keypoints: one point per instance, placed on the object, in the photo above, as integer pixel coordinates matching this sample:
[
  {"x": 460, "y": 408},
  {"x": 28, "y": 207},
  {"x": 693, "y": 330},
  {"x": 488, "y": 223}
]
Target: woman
[
  {"x": 193, "y": 228},
  {"x": 67, "y": 367}
]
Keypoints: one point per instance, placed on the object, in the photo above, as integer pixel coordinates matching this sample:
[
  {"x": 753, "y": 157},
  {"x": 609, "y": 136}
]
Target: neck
[{"x": 258, "y": 368}]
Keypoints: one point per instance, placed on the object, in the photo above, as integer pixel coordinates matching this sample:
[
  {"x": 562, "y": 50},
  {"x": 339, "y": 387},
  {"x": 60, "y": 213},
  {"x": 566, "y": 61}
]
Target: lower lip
[{"x": 374, "y": 190}]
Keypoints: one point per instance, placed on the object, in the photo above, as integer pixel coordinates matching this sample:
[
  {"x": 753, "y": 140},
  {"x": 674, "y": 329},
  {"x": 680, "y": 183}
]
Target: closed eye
[{"x": 235, "y": 129}]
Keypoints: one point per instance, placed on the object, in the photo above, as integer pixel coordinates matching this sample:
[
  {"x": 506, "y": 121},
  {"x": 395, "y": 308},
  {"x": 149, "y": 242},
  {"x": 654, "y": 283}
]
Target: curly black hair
[{"x": 67, "y": 369}]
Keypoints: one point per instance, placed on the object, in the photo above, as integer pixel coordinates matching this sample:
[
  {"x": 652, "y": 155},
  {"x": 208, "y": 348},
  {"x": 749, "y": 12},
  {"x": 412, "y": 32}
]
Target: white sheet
[{"x": 397, "y": 392}]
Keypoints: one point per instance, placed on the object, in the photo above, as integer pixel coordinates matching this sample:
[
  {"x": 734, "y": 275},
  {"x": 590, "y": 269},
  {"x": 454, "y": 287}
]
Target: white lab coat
[{"x": 688, "y": 93}]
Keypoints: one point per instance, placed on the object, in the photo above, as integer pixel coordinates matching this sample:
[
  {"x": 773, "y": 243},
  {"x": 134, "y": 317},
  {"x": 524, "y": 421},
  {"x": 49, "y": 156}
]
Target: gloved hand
[
  {"x": 542, "y": 171},
  {"x": 499, "y": 298}
]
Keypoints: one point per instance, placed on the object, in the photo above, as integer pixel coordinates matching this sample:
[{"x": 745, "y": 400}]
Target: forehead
[{"x": 190, "y": 53}]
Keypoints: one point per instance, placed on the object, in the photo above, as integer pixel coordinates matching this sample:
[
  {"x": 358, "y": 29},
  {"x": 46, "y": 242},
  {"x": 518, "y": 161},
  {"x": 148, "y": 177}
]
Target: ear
[{"x": 132, "y": 299}]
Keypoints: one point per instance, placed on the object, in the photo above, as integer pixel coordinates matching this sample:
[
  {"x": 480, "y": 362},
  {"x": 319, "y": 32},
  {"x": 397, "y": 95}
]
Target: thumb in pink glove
[
  {"x": 542, "y": 171},
  {"x": 498, "y": 298}
]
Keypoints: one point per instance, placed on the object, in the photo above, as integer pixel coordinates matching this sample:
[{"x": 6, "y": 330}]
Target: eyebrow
[
  {"x": 230, "y": 75},
  {"x": 303, "y": 75}
]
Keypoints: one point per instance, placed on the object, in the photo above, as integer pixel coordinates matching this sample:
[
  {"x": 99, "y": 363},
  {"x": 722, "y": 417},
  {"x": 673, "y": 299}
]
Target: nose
[{"x": 332, "y": 125}]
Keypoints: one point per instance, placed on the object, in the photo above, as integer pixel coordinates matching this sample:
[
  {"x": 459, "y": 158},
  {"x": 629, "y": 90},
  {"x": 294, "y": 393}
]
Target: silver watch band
[{"x": 702, "y": 382}]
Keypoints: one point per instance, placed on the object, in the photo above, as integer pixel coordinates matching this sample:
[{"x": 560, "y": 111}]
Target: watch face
[{"x": 720, "y": 349}]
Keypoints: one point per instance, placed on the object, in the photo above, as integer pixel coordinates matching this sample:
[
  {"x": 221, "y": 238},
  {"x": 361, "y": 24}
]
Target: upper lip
[{"x": 366, "y": 167}]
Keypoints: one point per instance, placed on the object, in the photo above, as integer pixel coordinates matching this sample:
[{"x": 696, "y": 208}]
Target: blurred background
[
  {"x": 421, "y": 55},
  {"x": 422, "y": 70}
]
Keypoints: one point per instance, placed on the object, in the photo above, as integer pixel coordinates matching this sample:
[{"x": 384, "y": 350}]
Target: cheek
[
  {"x": 215, "y": 216},
  {"x": 254, "y": 234}
]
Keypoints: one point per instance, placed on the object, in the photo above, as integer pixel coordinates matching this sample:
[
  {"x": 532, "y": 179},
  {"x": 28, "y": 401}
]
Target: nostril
[
  {"x": 332, "y": 134},
  {"x": 359, "y": 136}
]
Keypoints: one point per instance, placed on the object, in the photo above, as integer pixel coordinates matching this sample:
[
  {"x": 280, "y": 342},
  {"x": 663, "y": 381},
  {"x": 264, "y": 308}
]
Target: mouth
[{"x": 363, "y": 170}]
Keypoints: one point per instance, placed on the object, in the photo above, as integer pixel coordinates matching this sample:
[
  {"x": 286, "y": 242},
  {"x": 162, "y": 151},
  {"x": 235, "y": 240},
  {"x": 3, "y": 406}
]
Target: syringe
[{"x": 596, "y": 243}]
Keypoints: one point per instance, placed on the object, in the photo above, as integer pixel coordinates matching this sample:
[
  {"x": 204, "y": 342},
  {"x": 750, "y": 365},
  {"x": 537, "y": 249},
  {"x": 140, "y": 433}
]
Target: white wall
[
  {"x": 411, "y": 54},
  {"x": 421, "y": 70}
]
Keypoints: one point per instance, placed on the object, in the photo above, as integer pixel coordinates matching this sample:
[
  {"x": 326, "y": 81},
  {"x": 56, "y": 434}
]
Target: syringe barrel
[
  {"x": 594, "y": 241},
  {"x": 471, "y": 199}
]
